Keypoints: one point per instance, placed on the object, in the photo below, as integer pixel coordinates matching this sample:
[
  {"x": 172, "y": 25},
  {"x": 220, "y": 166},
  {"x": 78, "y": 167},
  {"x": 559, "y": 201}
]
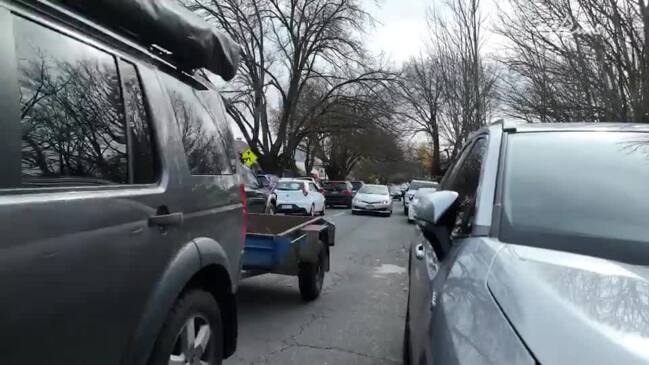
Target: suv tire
[
  {"x": 311, "y": 278},
  {"x": 200, "y": 307}
]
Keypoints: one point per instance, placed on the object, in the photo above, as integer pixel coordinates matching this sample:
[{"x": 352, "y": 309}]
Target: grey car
[
  {"x": 121, "y": 218},
  {"x": 528, "y": 256}
]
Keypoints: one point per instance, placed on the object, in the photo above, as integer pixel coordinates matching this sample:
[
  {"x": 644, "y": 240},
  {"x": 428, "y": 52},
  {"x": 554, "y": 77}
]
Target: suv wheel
[{"x": 192, "y": 333}]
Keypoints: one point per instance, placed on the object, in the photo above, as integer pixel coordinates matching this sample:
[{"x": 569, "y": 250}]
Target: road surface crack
[{"x": 338, "y": 349}]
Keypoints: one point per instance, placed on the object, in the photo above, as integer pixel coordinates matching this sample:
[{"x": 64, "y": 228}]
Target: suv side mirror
[{"x": 430, "y": 208}]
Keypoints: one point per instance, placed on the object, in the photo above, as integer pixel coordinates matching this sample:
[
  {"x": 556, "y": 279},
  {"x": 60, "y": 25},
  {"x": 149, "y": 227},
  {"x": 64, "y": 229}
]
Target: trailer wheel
[{"x": 311, "y": 277}]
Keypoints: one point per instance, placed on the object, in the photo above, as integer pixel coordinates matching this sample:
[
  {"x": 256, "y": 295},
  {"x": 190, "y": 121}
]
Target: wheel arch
[{"x": 190, "y": 268}]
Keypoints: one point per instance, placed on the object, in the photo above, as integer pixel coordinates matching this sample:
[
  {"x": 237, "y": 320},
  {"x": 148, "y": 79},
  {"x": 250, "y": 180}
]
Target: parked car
[
  {"x": 338, "y": 193},
  {"x": 527, "y": 256},
  {"x": 267, "y": 181},
  {"x": 373, "y": 199},
  {"x": 120, "y": 228},
  {"x": 395, "y": 192},
  {"x": 412, "y": 212},
  {"x": 299, "y": 197},
  {"x": 412, "y": 189},
  {"x": 259, "y": 199},
  {"x": 356, "y": 185}
]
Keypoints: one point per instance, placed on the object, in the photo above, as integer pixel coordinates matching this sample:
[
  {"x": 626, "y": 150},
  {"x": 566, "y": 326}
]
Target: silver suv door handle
[{"x": 419, "y": 252}]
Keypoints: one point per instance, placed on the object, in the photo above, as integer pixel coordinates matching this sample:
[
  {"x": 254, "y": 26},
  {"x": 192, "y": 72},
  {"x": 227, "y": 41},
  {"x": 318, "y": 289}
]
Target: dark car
[
  {"x": 356, "y": 186},
  {"x": 528, "y": 256},
  {"x": 267, "y": 181},
  {"x": 338, "y": 193},
  {"x": 121, "y": 216},
  {"x": 259, "y": 199}
]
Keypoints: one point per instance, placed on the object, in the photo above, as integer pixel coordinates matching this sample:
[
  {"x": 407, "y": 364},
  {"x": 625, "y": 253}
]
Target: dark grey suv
[
  {"x": 535, "y": 250},
  {"x": 121, "y": 214}
]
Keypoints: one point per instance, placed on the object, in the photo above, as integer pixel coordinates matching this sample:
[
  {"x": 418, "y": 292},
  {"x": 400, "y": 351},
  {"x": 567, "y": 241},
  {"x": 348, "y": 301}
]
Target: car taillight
[
  {"x": 347, "y": 192},
  {"x": 242, "y": 189}
]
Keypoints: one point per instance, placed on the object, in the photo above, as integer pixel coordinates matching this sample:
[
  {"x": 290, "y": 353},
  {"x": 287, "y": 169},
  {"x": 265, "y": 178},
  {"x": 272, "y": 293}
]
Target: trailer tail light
[{"x": 242, "y": 189}]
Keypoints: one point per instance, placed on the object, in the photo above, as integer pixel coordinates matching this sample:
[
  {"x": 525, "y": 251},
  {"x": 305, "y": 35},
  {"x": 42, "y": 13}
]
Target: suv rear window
[
  {"x": 204, "y": 142},
  {"x": 333, "y": 185},
  {"x": 289, "y": 185},
  {"x": 577, "y": 191}
]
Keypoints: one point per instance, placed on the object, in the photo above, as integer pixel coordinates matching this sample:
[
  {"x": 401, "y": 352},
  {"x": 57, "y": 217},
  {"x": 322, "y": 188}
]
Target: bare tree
[
  {"x": 287, "y": 45},
  {"x": 578, "y": 60},
  {"x": 448, "y": 91},
  {"x": 421, "y": 100}
]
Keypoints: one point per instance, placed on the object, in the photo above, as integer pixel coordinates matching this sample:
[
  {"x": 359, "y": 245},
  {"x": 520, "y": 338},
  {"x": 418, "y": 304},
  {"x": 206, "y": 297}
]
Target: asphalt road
[{"x": 359, "y": 316}]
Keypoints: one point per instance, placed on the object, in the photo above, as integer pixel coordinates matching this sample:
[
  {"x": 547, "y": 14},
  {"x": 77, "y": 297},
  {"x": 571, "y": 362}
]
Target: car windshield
[
  {"x": 416, "y": 185},
  {"x": 559, "y": 199},
  {"x": 374, "y": 189},
  {"x": 289, "y": 185},
  {"x": 356, "y": 185}
]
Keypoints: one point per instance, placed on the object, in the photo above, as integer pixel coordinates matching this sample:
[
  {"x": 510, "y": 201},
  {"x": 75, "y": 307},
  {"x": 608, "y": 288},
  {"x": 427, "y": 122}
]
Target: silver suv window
[{"x": 583, "y": 191}]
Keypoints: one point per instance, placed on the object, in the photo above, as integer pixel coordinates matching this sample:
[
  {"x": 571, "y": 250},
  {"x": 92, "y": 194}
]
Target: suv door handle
[
  {"x": 165, "y": 220},
  {"x": 419, "y": 252}
]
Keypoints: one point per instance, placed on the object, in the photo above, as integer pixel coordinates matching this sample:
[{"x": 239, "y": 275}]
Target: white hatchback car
[
  {"x": 299, "y": 197},
  {"x": 412, "y": 212}
]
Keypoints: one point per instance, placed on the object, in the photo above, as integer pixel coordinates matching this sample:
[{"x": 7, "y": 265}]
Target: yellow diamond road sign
[{"x": 249, "y": 158}]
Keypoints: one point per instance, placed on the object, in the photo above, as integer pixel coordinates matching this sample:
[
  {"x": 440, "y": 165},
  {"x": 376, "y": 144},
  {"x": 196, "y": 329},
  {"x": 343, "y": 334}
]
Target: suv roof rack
[
  {"x": 508, "y": 125},
  {"x": 171, "y": 31}
]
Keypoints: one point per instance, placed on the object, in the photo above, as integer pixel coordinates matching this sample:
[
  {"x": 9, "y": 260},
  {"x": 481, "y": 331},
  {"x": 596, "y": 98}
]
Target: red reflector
[{"x": 242, "y": 189}]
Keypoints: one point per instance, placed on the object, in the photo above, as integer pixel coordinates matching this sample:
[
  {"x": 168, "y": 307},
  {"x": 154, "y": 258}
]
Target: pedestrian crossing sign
[{"x": 248, "y": 157}]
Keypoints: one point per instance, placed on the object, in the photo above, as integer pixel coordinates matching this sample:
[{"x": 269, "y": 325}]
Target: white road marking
[{"x": 338, "y": 214}]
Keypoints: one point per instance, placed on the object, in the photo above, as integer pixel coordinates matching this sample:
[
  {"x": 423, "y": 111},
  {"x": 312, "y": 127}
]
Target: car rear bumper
[
  {"x": 290, "y": 209},
  {"x": 338, "y": 200}
]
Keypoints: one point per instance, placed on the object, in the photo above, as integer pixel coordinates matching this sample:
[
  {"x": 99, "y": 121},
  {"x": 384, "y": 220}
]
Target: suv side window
[
  {"x": 72, "y": 114},
  {"x": 312, "y": 187},
  {"x": 142, "y": 167},
  {"x": 214, "y": 105},
  {"x": 203, "y": 143},
  {"x": 464, "y": 180}
]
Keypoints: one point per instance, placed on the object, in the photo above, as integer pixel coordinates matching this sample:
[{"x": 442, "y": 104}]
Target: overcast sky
[
  {"x": 401, "y": 27},
  {"x": 400, "y": 31}
]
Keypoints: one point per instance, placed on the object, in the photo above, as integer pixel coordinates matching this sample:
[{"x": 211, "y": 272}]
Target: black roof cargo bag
[{"x": 193, "y": 42}]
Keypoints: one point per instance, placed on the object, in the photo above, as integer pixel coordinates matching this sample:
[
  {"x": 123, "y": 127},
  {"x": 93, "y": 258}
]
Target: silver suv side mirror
[{"x": 430, "y": 207}]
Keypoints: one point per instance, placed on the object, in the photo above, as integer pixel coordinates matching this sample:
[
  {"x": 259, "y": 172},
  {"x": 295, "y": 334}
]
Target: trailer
[{"x": 289, "y": 245}]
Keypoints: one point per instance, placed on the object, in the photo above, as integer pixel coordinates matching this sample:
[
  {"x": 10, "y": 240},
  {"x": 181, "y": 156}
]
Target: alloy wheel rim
[{"x": 193, "y": 345}]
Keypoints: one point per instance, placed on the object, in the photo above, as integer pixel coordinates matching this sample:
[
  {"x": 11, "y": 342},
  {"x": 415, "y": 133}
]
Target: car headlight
[{"x": 386, "y": 202}]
